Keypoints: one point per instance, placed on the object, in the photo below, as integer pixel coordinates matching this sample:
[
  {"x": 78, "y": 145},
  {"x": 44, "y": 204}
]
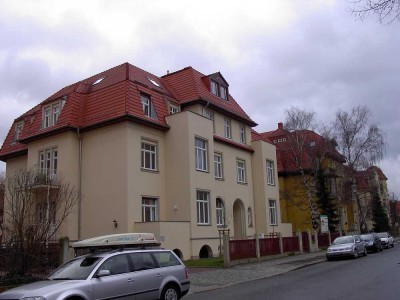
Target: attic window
[
  {"x": 98, "y": 80},
  {"x": 18, "y": 129},
  {"x": 312, "y": 144},
  {"x": 219, "y": 90},
  {"x": 153, "y": 82}
]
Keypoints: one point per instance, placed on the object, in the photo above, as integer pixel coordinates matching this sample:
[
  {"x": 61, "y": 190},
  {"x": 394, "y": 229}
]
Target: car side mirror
[{"x": 103, "y": 273}]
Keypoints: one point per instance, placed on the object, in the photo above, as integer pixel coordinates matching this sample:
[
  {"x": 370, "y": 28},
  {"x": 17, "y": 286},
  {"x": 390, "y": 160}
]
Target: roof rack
[{"x": 116, "y": 242}]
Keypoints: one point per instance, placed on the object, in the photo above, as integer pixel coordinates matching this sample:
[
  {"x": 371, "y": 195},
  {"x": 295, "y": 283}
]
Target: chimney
[{"x": 280, "y": 125}]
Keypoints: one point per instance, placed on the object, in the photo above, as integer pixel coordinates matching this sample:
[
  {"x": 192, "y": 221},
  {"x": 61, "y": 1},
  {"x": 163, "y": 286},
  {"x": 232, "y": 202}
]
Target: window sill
[
  {"x": 242, "y": 183},
  {"x": 203, "y": 171},
  {"x": 149, "y": 170},
  {"x": 219, "y": 178},
  {"x": 201, "y": 224}
]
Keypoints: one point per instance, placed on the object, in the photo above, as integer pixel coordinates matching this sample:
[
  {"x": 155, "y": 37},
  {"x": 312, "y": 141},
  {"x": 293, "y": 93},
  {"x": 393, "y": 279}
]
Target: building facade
[{"x": 172, "y": 155}]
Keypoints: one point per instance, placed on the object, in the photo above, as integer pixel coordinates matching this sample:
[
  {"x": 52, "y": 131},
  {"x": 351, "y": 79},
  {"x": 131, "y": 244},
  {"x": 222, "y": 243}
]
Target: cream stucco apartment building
[{"x": 173, "y": 155}]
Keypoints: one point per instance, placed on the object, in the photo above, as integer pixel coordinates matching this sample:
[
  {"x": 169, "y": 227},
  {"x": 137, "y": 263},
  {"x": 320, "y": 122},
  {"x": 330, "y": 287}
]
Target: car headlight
[
  {"x": 34, "y": 298},
  {"x": 370, "y": 243},
  {"x": 347, "y": 248}
]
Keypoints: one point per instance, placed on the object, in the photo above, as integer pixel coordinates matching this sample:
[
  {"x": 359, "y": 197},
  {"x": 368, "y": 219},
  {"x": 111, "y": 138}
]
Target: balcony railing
[{"x": 46, "y": 177}]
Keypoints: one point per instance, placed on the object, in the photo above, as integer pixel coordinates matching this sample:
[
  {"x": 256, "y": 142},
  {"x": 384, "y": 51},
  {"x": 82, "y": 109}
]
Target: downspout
[{"x": 79, "y": 183}]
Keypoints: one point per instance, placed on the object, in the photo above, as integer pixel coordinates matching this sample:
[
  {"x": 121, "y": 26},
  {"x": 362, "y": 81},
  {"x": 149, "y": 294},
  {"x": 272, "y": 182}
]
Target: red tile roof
[
  {"x": 284, "y": 153},
  {"x": 93, "y": 102}
]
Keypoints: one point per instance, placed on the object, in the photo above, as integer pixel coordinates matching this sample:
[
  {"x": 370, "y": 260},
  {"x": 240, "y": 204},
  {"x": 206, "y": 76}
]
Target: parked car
[
  {"x": 386, "y": 239},
  {"x": 117, "y": 274},
  {"x": 372, "y": 241},
  {"x": 348, "y": 245}
]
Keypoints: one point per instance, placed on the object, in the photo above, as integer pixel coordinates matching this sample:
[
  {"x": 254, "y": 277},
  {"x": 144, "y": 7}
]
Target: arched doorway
[
  {"x": 239, "y": 219},
  {"x": 205, "y": 252},
  {"x": 179, "y": 253}
]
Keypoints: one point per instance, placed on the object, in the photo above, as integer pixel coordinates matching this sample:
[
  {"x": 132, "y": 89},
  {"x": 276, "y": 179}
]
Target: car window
[
  {"x": 116, "y": 264},
  {"x": 343, "y": 240},
  {"x": 78, "y": 268},
  {"x": 142, "y": 261},
  {"x": 166, "y": 259}
]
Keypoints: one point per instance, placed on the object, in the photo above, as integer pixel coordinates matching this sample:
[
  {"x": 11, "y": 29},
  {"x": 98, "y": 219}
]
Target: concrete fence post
[
  {"x": 258, "y": 246},
  {"x": 280, "y": 243},
  {"x": 310, "y": 244},
  {"x": 316, "y": 241},
  {"x": 300, "y": 237},
  {"x": 329, "y": 237},
  {"x": 64, "y": 255},
  {"x": 227, "y": 260}
]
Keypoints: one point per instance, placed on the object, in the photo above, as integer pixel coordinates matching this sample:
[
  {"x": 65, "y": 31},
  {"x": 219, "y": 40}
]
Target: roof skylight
[
  {"x": 153, "y": 82},
  {"x": 98, "y": 80}
]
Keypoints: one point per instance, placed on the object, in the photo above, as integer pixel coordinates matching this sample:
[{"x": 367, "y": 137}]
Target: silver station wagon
[{"x": 117, "y": 274}]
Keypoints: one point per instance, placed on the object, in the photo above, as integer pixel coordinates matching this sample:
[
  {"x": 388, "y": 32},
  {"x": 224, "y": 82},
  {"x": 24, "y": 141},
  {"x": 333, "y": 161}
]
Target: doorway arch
[{"x": 239, "y": 221}]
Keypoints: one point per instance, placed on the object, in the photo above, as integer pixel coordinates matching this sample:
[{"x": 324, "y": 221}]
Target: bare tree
[
  {"x": 299, "y": 123},
  {"x": 35, "y": 208},
  {"x": 361, "y": 143},
  {"x": 386, "y": 10}
]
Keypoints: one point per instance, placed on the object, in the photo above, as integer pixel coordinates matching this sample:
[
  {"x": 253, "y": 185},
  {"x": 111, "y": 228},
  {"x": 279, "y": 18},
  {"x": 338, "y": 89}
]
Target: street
[{"x": 373, "y": 277}]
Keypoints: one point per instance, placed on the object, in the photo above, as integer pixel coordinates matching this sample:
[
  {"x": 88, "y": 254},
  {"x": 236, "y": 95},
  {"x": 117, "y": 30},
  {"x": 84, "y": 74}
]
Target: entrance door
[{"x": 239, "y": 222}]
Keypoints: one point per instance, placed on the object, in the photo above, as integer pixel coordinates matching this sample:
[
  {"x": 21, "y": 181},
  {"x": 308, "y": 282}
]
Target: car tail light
[{"x": 186, "y": 274}]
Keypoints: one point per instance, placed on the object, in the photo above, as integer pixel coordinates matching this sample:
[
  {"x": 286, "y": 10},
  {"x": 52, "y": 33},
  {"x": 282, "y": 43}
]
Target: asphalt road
[{"x": 376, "y": 276}]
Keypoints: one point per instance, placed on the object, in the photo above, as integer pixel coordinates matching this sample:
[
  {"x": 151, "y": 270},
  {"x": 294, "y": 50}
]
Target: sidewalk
[{"x": 204, "y": 279}]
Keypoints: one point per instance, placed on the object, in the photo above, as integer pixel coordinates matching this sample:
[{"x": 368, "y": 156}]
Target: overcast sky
[{"x": 275, "y": 54}]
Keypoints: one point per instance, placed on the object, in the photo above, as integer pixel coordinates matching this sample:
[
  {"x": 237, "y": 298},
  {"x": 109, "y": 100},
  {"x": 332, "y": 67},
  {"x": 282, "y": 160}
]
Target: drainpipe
[{"x": 79, "y": 184}]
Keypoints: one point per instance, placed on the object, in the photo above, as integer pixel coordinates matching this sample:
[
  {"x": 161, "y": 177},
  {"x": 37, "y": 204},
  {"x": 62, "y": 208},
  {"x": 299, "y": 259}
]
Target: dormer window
[
  {"x": 51, "y": 113},
  {"x": 148, "y": 107},
  {"x": 18, "y": 129},
  {"x": 173, "y": 109},
  {"x": 219, "y": 90}
]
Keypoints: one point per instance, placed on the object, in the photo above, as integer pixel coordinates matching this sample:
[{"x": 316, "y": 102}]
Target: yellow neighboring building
[
  {"x": 171, "y": 155},
  {"x": 295, "y": 206}
]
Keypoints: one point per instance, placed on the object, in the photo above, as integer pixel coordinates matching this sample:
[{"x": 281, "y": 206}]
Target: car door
[
  {"x": 147, "y": 277},
  {"x": 359, "y": 244},
  {"x": 118, "y": 284}
]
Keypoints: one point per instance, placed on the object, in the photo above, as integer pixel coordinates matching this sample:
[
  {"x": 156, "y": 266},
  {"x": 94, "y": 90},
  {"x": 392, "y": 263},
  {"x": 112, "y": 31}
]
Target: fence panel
[
  {"x": 269, "y": 246},
  {"x": 323, "y": 240},
  {"x": 241, "y": 249},
  {"x": 334, "y": 235},
  {"x": 290, "y": 244},
  {"x": 306, "y": 242}
]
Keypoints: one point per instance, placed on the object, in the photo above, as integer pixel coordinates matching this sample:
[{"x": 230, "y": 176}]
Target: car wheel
[
  {"x": 355, "y": 253},
  {"x": 170, "y": 292},
  {"x": 365, "y": 252},
  {"x": 393, "y": 245},
  {"x": 381, "y": 249}
]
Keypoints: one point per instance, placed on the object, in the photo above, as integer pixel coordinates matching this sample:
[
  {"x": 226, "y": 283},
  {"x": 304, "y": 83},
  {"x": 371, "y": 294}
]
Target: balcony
[{"x": 45, "y": 178}]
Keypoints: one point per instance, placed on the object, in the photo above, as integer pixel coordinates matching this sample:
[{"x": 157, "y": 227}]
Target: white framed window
[
  {"x": 222, "y": 92},
  {"x": 56, "y": 112},
  {"x": 173, "y": 109},
  {"x": 273, "y": 212},
  {"x": 149, "y": 209},
  {"x": 48, "y": 161},
  {"x": 227, "y": 128},
  {"x": 270, "y": 172},
  {"x": 203, "y": 207},
  {"x": 218, "y": 171},
  {"x": 249, "y": 217},
  {"x": 241, "y": 170},
  {"x": 219, "y": 89},
  {"x": 220, "y": 212},
  {"x": 51, "y": 113},
  {"x": 242, "y": 132},
  {"x": 209, "y": 115},
  {"x": 18, "y": 128},
  {"x": 146, "y": 105},
  {"x": 149, "y": 155},
  {"x": 201, "y": 154},
  {"x": 214, "y": 87}
]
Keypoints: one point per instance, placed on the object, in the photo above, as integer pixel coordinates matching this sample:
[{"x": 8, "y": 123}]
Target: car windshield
[
  {"x": 343, "y": 240},
  {"x": 367, "y": 237},
  {"x": 78, "y": 268},
  {"x": 383, "y": 234}
]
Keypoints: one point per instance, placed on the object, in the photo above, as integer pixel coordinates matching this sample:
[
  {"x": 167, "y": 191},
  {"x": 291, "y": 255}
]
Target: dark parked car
[
  {"x": 386, "y": 239},
  {"x": 373, "y": 242}
]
